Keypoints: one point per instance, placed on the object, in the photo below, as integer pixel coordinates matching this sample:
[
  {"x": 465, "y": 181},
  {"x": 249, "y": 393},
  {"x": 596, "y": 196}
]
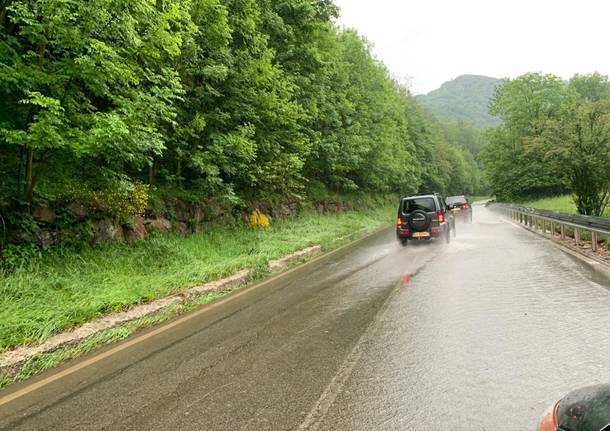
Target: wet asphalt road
[{"x": 482, "y": 334}]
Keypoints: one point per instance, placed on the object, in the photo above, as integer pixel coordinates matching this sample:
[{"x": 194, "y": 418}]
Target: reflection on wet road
[
  {"x": 481, "y": 334},
  {"x": 483, "y": 338}
]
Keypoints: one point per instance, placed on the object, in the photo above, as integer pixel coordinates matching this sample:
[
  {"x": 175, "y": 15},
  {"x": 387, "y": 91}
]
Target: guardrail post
[{"x": 560, "y": 225}]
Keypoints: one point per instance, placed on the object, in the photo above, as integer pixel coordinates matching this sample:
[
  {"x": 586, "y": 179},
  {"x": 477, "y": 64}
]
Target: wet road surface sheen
[{"x": 482, "y": 334}]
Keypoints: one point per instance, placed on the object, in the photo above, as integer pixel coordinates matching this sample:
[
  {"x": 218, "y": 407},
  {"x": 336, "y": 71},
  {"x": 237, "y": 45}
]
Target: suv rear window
[
  {"x": 424, "y": 204},
  {"x": 451, "y": 200}
]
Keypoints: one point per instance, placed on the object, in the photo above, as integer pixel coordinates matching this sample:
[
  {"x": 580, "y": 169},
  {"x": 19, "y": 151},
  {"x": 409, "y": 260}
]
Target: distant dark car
[
  {"x": 423, "y": 217},
  {"x": 586, "y": 409},
  {"x": 461, "y": 208}
]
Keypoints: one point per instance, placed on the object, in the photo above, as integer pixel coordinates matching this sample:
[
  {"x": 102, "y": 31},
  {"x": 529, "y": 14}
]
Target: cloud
[{"x": 436, "y": 40}]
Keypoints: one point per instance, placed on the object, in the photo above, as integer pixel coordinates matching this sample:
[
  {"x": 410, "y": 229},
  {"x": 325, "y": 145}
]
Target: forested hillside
[
  {"x": 118, "y": 105},
  {"x": 555, "y": 139},
  {"x": 466, "y": 98}
]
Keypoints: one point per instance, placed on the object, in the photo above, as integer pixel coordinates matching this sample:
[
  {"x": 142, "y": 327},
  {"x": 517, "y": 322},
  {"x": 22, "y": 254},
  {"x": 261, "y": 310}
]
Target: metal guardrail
[{"x": 536, "y": 219}]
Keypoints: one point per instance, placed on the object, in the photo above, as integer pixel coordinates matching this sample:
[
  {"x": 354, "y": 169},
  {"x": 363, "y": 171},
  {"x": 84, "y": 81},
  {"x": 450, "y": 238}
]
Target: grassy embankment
[
  {"x": 478, "y": 198},
  {"x": 561, "y": 204},
  {"x": 63, "y": 289}
]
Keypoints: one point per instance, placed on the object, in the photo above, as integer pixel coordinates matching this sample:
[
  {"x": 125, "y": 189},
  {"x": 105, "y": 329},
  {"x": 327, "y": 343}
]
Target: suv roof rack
[{"x": 421, "y": 194}]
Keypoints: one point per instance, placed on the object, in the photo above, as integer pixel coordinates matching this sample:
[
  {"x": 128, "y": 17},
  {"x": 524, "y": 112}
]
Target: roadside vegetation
[
  {"x": 563, "y": 204},
  {"x": 44, "y": 361},
  {"x": 477, "y": 198},
  {"x": 117, "y": 118},
  {"x": 554, "y": 140},
  {"x": 234, "y": 104},
  {"x": 64, "y": 288}
]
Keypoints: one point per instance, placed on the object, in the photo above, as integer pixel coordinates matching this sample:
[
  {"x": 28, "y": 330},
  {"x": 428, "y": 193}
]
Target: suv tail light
[
  {"x": 465, "y": 206},
  {"x": 399, "y": 221},
  {"x": 441, "y": 217}
]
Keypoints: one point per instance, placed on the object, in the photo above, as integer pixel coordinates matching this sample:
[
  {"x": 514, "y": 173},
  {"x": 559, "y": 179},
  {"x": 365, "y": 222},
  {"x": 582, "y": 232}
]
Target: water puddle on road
[{"x": 488, "y": 332}]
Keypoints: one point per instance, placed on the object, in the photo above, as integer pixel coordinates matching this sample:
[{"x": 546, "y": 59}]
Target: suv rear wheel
[{"x": 419, "y": 221}]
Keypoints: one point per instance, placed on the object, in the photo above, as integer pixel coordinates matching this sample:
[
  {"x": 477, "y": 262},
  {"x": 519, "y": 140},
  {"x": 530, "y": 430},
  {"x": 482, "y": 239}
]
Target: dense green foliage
[
  {"x": 555, "y": 138},
  {"x": 466, "y": 98},
  {"x": 239, "y": 101},
  {"x": 466, "y": 162}
]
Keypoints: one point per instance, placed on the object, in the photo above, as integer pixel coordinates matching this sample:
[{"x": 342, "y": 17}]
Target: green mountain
[{"x": 466, "y": 98}]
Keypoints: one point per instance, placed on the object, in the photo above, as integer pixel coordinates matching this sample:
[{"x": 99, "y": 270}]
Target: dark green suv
[{"x": 423, "y": 217}]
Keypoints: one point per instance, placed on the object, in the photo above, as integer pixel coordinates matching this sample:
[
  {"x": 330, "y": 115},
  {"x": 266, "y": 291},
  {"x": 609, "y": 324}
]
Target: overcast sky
[{"x": 428, "y": 42}]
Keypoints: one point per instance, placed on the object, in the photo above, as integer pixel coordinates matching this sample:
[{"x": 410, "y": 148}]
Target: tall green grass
[
  {"x": 562, "y": 204},
  {"x": 64, "y": 288},
  {"x": 477, "y": 198}
]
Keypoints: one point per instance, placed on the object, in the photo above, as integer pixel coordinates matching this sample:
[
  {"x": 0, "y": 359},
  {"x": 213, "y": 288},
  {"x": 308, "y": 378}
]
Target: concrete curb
[
  {"x": 283, "y": 262},
  {"x": 12, "y": 360}
]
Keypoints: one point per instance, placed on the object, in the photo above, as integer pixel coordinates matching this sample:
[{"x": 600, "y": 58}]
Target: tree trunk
[
  {"x": 2, "y": 16},
  {"x": 151, "y": 173},
  {"x": 29, "y": 167},
  {"x": 42, "y": 47},
  {"x": 20, "y": 172},
  {"x": 37, "y": 173},
  {"x": 29, "y": 163}
]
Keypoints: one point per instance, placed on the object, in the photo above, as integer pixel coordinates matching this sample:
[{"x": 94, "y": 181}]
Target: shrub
[
  {"x": 124, "y": 202},
  {"x": 15, "y": 256},
  {"x": 258, "y": 220}
]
